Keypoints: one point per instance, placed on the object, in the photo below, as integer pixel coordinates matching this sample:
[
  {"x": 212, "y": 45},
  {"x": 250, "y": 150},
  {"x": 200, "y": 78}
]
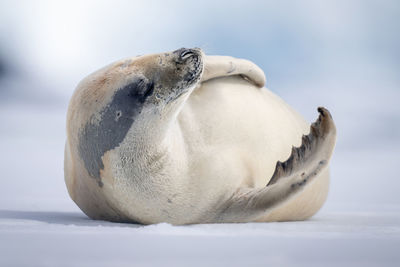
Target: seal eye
[
  {"x": 149, "y": 90},
  {"x": 141, "y": 90},
  {"x": 145, "y": 90}
]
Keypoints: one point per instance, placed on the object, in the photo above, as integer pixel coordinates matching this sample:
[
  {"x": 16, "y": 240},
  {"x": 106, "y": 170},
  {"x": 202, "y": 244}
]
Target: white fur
[{"x": 227, "y": 134}]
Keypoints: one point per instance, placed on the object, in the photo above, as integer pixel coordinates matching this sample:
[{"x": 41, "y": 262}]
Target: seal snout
[{"x": 189, "y": 62}]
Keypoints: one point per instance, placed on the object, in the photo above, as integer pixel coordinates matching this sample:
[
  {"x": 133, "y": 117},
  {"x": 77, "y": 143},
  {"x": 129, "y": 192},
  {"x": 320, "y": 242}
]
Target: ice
[{"x": 56, "y": 238}]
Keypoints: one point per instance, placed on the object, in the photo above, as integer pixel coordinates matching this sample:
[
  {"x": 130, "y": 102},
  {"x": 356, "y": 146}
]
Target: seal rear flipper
[
  {"x": 290, "y": 177},
  {"x": 222, "y": 66}
]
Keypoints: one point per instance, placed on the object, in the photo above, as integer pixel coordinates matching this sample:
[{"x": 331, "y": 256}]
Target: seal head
[{"x": 167, "y": 77}]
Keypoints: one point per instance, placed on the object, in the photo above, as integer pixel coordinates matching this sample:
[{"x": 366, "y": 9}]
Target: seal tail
[{"x": 290, "y": 177}]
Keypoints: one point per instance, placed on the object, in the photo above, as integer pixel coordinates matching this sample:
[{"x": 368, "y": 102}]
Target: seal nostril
[{"x": 186, "y": 53}]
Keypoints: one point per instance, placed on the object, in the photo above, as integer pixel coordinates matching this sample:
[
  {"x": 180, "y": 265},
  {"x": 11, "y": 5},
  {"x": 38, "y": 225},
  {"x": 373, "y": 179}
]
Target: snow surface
[
  {"x": 61, "y": 238},
  {"x": 41, "y": 226}
]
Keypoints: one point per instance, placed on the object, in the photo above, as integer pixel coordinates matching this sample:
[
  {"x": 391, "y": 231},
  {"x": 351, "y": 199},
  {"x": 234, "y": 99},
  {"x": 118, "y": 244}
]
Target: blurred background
[{"x": 340, "y": 54}]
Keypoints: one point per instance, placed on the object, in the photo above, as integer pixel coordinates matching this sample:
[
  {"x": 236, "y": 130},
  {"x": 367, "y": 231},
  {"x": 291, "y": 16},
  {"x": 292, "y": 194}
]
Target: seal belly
[{"x": 230, "y": 112}]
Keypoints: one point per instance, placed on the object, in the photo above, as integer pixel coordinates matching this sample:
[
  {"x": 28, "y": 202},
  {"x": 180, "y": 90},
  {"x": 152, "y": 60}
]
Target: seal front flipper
[
  {"x": 222, "y": 66},
  {"x": 290, "y": 177}
]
